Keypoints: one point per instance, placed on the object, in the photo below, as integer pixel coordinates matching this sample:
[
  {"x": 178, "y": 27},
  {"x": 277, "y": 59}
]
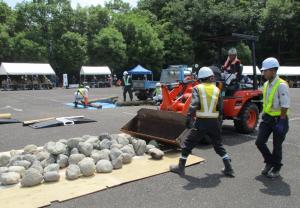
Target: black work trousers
[
  {"x": 129, "y": 90},
  {"x": 266, "y": 128},
  {"x": 210, "y": 127}
]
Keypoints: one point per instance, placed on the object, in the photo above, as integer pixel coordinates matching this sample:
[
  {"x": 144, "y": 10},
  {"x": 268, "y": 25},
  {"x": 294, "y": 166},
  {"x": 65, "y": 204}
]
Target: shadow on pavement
[
  {"x": 231, "y": 137},
  {"x": 274, "y": 187},
  {"x": 209, "y": 181}
]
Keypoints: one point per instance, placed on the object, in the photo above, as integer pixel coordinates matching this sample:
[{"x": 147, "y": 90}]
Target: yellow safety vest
[
  {"x": 158, "y": 91},
  {"x": 267, "y": 104},
  {"x": 81, "y": 91},
  {"x": 209, "y": 95}
]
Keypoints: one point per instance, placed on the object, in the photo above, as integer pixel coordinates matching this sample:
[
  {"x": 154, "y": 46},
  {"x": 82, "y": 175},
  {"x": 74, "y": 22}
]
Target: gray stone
[
  {"x": 38, "y": 166},
  {"x": 56, "y": 148},
  {"x": 52, "y": 176},
  {"x": 26, "y": 164},
  {"x": 29, "y": 157},
  {"x": 154, "y": 143},
  {"x": 64, "y": 141},
  {"x": 87, "y": 166},
  {"x": 128, "y": 149},
  {"x": 30, "y": 149},
  {"x": 62, "y": 161},
  {"x": 85, "y": 148},
  {"x": 104, "y": 166},
  {"x": 105, "y": 144},
  {"x": 123, "y": 139},
  {"x": 92, "y": 139},
  {"x": 76, "y": 158},
  {"x": 139, "y": 147},
  {"x": 15, "y": 152},
  {"x": 3, "y": 169},
  {"x": 126, "y": 158},
  {"x": 42, "y": 155},
  {"x": 118, "y": 162},
  {"x": 96, "y": 155},
  {"x": 51, "y": 167},
  {"x": 74, "y": 151},
  {"x": 10, "y": 178},
  {"x": 73, "y": 172},
  {"x": 17, "y": 169},
  {"x": 105, "y": 136},
  {"x": 73, "y": 142},
  {"x": 4, "y": 160},
  {"x": 148, "y": 147},
  {"x": 31, "y": 177},
  {"x": 118, "y": 146},
  {"x": 156, "y": 154},
  {"x": 50, "y": 160},
  {"x": 115, "y": 153}
]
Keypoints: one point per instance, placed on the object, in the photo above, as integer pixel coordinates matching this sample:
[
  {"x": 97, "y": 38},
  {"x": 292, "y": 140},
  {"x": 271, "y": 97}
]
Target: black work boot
[
  {"x": 228, "y": 171},
  {"x": 179, "y": 169},
  {"x": 275, "y": 173},
  {"x": 266, "y": 169}
]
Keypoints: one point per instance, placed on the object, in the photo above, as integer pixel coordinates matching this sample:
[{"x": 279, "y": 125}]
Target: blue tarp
[{"x": 139, "y": 70}]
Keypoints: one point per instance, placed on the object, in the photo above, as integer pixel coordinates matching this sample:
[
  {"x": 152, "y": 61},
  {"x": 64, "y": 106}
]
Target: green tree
[
  {"x": 69, "y": 53},
  {"x": 143, "y": 45},
  {"x": 26, "y": 50},
  {"x": 109, "y": 48}
]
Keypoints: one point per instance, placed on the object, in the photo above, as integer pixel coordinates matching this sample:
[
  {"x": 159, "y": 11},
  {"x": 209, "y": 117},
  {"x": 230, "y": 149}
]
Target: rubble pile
[{"x": 81, "y": 156}]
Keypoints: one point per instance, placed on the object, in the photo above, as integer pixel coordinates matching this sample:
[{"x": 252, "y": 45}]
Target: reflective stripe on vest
[
  {"x": 81, "y": 91},
  {"x": 126, "y": 80},
  {"x": 208, "y": 94},
  {"x": 267, "y": 104}
]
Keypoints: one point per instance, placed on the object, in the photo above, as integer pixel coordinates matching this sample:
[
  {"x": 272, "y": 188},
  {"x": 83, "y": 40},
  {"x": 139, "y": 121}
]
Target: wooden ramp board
[{"x": 42, "y": 195}]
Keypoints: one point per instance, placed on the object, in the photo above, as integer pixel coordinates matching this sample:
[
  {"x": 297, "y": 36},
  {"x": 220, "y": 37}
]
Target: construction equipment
[{"x": 242, "y": 104}]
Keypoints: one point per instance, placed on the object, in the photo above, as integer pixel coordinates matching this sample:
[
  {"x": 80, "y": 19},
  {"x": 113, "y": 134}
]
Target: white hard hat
[
  {"x": 87, "y": 87},
  {"x": 269, "y": 63},
  {"x": 205, "y": 72},
  {"x": 125, "y": 73},
  {"x": 232, "y": 51},
  {"x": 158, "y": 84}
]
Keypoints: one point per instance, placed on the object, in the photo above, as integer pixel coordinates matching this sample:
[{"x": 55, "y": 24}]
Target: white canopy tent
[
  {"x": 26, "y": 69},
  {"x": 289, "y": 71},
  {"x": 248, "y": 70},
  {"x": 95, "y": 70}
]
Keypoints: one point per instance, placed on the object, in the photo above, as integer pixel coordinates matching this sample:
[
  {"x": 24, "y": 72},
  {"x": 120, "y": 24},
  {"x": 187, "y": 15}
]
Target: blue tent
[{"x": 139, "y": 70}]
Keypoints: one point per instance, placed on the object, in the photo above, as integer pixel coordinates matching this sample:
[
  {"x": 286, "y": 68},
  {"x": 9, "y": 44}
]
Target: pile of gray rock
[{"x": 81, "y": 156}]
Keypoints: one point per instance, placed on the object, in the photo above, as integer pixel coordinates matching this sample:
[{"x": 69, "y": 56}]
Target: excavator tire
[{"x": 248, "y": 118}]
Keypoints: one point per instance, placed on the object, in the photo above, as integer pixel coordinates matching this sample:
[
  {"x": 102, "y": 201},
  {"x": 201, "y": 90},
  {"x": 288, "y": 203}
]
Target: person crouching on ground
[{"x": 81, "y": 96}]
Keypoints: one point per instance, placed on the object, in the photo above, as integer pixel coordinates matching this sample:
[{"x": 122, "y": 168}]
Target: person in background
[
  {"x": 127, "y": 86},
  {"x": 81, "y": 96},
  {"x": 276, "y": 104},
  {"x": 231, "y": 67},
  {"x": 158, "y": 94}
]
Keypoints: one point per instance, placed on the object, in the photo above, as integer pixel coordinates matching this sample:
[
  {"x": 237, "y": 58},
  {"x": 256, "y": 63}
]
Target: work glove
[
  {"x": 189, "y": 122},
  {"x": 280, "y": 126}
]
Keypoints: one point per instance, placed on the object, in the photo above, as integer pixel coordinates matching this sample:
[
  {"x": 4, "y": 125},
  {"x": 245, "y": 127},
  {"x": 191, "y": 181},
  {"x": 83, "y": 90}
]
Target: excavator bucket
[{"x": 162, "y": 126}]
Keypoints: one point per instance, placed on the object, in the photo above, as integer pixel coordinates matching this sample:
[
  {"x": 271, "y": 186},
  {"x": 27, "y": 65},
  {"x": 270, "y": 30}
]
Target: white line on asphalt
[
  {"x": 15, "y": 109},
  {"x": 294, "y": 119},
  {"x": 132, "y": 114}
]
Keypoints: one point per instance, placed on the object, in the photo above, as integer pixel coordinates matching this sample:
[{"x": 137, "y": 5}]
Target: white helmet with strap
[
  {"x": 205, "y": 72},
  {"x": 125, "y": 73},
  {"x": 269, "y": 63}
]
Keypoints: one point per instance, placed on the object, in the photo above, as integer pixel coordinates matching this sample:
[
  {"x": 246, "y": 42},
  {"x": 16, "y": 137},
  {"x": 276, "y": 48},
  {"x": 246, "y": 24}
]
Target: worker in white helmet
[
  {"x": 206, "y": 107},
  {"x": 231, "y": 67},
  {"x": 276, "y": 102},
  {"x": 81, "y": 95},
  {"x": 127, "y": 86},
  {"x": 157, "y": 93}
]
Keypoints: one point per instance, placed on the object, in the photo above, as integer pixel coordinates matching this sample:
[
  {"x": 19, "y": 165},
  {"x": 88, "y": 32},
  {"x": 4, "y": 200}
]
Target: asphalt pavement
[{"x": 203, "y": 185}]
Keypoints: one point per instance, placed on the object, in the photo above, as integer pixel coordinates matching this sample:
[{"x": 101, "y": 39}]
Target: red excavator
[{"x": 241, "y": 103}]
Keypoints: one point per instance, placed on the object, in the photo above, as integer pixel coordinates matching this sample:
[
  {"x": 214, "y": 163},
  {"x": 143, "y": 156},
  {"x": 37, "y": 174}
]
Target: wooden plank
[
  {"x": 29, "y": 122},
  {"x": 5, "y": 115}
]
